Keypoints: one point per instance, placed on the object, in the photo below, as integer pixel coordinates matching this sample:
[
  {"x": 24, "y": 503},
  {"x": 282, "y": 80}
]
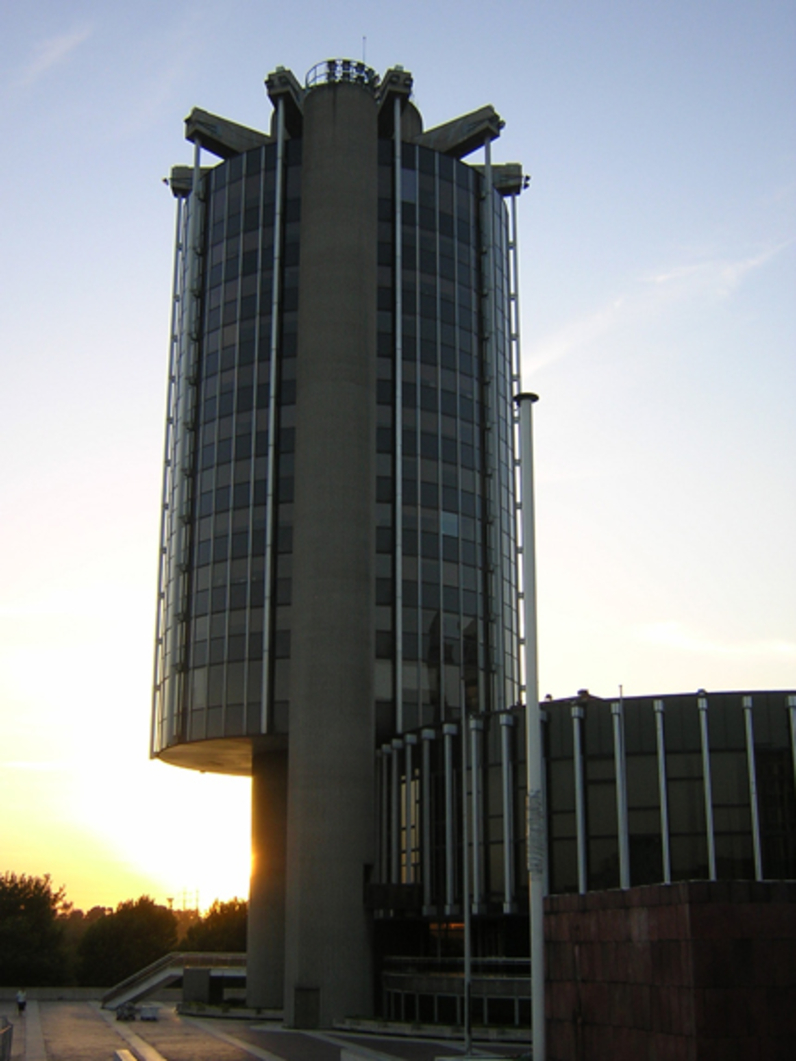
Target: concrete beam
[
  {"x": 460, "y": 136},
  {"x": 221, "y": 136},
  {"x": 507, "y": 177}
]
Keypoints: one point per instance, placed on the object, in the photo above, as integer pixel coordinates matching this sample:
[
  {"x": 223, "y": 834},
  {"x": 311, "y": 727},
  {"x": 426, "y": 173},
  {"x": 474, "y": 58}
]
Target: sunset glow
[{"x": 658, "y": 265}]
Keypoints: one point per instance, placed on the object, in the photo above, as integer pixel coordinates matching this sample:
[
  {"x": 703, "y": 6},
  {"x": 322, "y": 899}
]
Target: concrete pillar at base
[{"x": 265, "y": 961}]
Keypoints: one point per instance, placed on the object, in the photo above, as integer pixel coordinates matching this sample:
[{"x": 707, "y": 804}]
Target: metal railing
[
  {"x": 333, "y": 71},
  {"x": 176, "y": 960},
  {"x": 507, "y": 968}
]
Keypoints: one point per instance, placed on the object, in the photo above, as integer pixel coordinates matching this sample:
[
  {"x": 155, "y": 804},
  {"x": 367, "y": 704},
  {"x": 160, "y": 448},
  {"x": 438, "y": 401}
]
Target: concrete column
[
  {"x": 754, "y": 805},
  {"x": 476, "y": 782},
  {"x": 427, "y": 736},
  {"x": 331, "y": 827},
  {"x": 580, "y": 796},
  {"x": 449, "y": 731},
  {"x": 506, "y": 722},
  {"x": 395, "y": 811},
  {"x": 265, "y": 958},
  {"x": 617, "y": 715},
  {"x": 384, "y": 828},
  {"x": 702, "y": 705},
  {"x": 409, "y": 808},
  {"x": 660, "y": 743}
]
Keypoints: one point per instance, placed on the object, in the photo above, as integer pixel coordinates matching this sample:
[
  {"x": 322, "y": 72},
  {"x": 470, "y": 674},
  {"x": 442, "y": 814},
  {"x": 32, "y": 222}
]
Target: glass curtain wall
[
  {"x": 223, "y": 678},
  {"x": 440, "y": 634},
  {"x": 731, "y": 764}
]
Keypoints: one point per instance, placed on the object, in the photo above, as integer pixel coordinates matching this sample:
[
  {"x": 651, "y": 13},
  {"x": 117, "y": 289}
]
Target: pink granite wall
[{"x": 696, "y": 971}]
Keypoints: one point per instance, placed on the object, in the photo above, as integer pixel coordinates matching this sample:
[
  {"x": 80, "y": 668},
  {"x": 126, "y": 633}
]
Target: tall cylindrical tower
[{"x": 338, "y": 544}]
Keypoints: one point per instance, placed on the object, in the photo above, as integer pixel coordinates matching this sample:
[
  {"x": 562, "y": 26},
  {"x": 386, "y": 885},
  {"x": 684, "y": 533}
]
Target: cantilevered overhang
[
  {"x": 225, "y": 755},
  {"x": 397, "y": 84},
  {"x": 283, "y": 85},
  {"x": 181, "y": 180},
  {"x": 507, "y": 177},
  {"x": 460, "y": 136},
  {"x": 221, "y": 136}
]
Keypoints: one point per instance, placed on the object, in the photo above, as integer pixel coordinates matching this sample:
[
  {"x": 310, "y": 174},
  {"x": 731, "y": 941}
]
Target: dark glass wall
[
  {"x": 561, "y": 811},
  {"x": 776, "y": 764},
  {"x": 446, "y": 611},
  {"x": 685, "y": 786},
  {"x": 685, "y": 790},
  {"x": 643, "y": 795},
  {"x": 436, "y": 633},
  {"x": 602, "y": 847},
  {"x": 220, "y": 680}
]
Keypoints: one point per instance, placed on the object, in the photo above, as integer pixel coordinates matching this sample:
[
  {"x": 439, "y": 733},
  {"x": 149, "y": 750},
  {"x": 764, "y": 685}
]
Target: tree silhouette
[
  {"x": 119, "y": 944},
  {"x": 32, "y": 951},
  {"x": 223, "y": 928}
]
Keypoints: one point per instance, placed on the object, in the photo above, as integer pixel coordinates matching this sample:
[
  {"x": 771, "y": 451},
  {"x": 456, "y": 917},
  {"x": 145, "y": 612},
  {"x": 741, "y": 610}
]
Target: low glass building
[{"x": 640, "y": 790}]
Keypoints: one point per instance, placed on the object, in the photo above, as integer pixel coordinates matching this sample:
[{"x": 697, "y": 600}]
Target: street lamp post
[{"x": 537, "y": 847}]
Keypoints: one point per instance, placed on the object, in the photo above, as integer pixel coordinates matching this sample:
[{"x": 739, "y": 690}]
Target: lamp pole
[{"x": 537, "y": 847}]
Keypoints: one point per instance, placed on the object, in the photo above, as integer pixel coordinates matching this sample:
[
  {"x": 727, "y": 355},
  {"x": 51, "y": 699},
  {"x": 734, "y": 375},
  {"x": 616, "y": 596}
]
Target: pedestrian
[{"x": 22, "y": 1001}]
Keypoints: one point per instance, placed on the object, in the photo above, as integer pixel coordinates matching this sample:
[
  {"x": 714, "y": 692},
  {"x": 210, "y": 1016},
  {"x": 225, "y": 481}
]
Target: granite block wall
[{"x": 693, "y": 971}]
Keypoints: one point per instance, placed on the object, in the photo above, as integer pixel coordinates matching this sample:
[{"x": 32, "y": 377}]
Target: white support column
[
  {"x": 507, "y": 775},
  {"x": 753, "y": 804},
  {"x": 663, "y": 791},
  {"x": 493, "y": 468},
  {"x": 171, "y": 544},
  {"x": 427, "y": 736},
  {"x": 621, "y": 793},
  {"x": 184, "y": 426},
  {"x": 384, "y": 755},
  {"x": 476, "y": 782},
  {"x": 580, "y": 797},
  {"x": 273, "y": 406},
  {"x": 395, "y": 812},
  {"x": 536, "y": 810},
  {"x": 702, "y": 704},
  {"x": 409, "y": 808},
  {"x": 165, "y": 612},
  {"x": 449, "y": 731}
]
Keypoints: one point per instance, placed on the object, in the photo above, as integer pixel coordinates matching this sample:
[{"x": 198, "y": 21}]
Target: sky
[{"x": 657, "y": 289}]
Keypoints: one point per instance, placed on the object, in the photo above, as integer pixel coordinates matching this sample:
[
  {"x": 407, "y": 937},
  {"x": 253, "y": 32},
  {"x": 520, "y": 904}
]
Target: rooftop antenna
[{"x": 364, "y": 48}]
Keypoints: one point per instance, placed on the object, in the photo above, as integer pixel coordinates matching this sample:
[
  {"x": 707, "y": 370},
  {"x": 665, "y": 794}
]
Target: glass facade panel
[
  {"x": 216, "y": 516},
  {"x": 443, "y": 442}
]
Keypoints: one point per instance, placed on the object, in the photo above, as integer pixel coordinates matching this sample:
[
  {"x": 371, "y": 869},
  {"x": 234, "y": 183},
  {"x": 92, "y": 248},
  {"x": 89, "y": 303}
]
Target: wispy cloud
[
  {"x": 49, "y": 53},
  {"x": 676, "y": 635},
  {"x": 165, "y": 61},
  {"x": 39, "y": 767},
  {"x": 577, "y": 335},
  {"x": 648, "y": 297}
]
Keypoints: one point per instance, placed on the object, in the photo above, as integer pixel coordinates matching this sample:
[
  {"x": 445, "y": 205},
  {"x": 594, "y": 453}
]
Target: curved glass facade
[
  {"x": 444, "y": 429},
  {"x": 212, "y": 681},
  {"x": 445, "y": 590}
]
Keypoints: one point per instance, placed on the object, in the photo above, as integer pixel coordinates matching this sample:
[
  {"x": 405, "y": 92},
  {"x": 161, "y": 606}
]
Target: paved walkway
[{"x": 81, "y": 1031}]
